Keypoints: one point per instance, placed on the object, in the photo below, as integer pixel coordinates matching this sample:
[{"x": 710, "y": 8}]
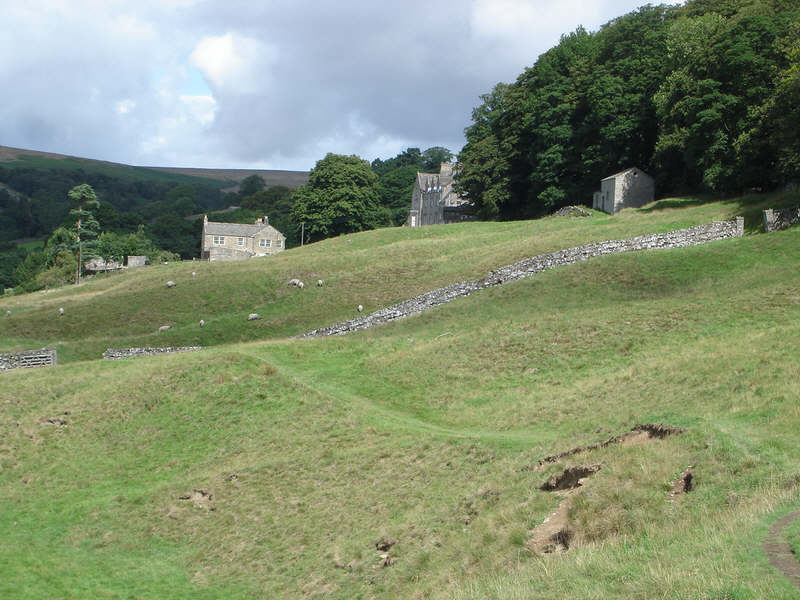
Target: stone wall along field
[
  {"x": 30, "y": 358},
  {"x": 112, "y": 354},
  {"x": 780, "y": 218},
  {"x": 680, "y": 238}
]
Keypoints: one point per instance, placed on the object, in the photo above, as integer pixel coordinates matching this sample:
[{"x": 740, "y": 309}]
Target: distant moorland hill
[{"x": 228, "y": 178}]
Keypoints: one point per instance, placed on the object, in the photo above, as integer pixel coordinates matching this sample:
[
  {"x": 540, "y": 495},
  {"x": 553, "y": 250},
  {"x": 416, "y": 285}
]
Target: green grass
[
  {"x": 426, "y": 430},
  {"x": 119, "y": 171},
  {"x": 373, "y": 269}
]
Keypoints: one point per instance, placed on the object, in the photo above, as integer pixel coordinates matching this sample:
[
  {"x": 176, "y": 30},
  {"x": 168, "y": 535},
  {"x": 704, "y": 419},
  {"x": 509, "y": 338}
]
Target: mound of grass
[
  {"x": 284, "y": 468},
  {"x": 373, "y": 269}
]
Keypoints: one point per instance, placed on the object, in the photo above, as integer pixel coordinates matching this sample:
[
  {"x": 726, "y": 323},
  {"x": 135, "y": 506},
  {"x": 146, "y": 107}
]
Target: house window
[
  {"x": 264, "y": 243},
  {"x": 240, "y": 241},
  {"x": 219, "y": 240},
  {"x": 277, "y": 243}
]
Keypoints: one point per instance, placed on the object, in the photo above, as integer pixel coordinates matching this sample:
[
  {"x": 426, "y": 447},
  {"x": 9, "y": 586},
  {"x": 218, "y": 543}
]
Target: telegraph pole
[{"x": 302, "y": 232}]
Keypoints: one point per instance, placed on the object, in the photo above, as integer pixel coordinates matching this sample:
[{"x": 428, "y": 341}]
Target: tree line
[
  {"x": 154, "y": 218},
  {"x": 703, "y": 96}
]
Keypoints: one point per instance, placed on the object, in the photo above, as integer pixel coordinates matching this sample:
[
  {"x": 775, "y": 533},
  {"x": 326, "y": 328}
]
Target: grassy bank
[{"x": 271, "y": 467}]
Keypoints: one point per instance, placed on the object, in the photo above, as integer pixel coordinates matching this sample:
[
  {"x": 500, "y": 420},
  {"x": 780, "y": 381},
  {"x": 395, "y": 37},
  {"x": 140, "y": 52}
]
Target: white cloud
[{"x": 234, "y": 63}]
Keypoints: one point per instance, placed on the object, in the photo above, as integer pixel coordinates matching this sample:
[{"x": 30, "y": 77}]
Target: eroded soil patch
[
  {"x": 554, "y": 534},
  {"x": 570, "y": 478},
  {"x": 779, "y": 552},
  {"x": 638, "y": 434},
  {"x": 683, "y": 484}
]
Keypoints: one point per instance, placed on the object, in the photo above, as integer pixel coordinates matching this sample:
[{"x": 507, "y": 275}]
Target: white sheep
[
  {"x": 61, "y": 311},
  {"x": 360, "y": 308},
  {"x": 319, "y": 282},
  {"x": 294, "y": 282},
  {"x": 301, "y": 285},
  {"x": 253, "y": 316},
  {"x": 202, "y": 323},
  {"x": 194, "y": 274},
  {"x": 171, "y": 284},
  {"x": 164, "y": 328}
]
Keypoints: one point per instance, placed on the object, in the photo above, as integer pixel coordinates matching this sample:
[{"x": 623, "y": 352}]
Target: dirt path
[{"x": 778, "y": 551}]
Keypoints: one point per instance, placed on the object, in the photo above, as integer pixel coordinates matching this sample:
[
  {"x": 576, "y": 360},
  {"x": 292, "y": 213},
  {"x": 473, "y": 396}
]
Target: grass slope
[
  {"x": 223, "y": 178},
  {"x": 374, "y": 269},
  {"x": 425, "y": 431}
]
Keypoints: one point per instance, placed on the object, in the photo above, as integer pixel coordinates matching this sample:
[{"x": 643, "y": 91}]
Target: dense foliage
[
  {"x": 703, "y": 96},
  {"x": 341, "y": 196}
]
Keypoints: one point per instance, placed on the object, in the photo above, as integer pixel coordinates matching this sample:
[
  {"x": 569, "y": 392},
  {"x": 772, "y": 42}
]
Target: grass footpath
[{"x": 402, "y": 461}]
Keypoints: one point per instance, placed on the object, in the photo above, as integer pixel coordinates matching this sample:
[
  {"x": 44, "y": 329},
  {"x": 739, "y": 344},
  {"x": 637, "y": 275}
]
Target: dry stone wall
[
  {"x": 30, "y": 358},
  {"x": 112, "y": 354},
  {"x": 780, "y": 218},
  {"x": 680, "y": 238}
]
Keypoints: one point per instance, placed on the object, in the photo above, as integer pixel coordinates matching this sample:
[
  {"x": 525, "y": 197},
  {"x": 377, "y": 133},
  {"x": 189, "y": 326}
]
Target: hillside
[
  {"x": 228, "y": 178},
  {"x": 404, "y": 461}
]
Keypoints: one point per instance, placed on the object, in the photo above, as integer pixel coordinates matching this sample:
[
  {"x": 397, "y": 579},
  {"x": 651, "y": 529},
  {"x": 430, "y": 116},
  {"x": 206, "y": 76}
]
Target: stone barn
[
  {"x": 237, "y": 241},
  {"x": 434, "y": 201},
  {"x": 630, "y": 188}
]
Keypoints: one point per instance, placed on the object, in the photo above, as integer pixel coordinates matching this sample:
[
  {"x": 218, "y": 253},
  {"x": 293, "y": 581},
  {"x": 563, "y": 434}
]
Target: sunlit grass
[{"x": 426, "y": 431}]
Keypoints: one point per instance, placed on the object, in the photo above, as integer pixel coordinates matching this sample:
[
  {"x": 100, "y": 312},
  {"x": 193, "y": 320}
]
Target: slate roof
[
  {"x": 623, "y": 173},
  {"x": 238, "y": 229}
]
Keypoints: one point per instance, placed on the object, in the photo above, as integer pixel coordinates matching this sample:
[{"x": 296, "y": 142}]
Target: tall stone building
[
  {"x": 630, "y": 188},
  {"x": 237, "y": 241},
  {"x": 434, "y": 201}
]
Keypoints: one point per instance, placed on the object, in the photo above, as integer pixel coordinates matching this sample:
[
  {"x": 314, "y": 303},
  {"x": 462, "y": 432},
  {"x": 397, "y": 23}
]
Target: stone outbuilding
[
  {"x": 434, "y": 200},
  {"x": 630, "y": 188},
  {"x": 237, "y": 241}
]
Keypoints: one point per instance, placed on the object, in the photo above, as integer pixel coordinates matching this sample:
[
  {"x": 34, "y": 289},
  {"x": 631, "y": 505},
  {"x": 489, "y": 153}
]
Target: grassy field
[{"x": 273, "y": 467}]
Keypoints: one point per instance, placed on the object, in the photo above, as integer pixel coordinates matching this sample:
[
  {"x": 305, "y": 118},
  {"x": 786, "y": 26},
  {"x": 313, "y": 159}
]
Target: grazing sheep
[
  {"x": 319, "y": 282},
  {"x": 202, "y": 323},
  {"x": 194, "y": 274},
  {"x": 253, "y": 316},
  {"x": 360, "y": 308},
  {"x": 61, "y": 311},
  {"x": 294, "y": 282},
  {"x": 301, "y": 285},
  {"x": 164, "y": 328},
  {"x": 171, "y": 284},
  {"x": 8, "y": 313}
]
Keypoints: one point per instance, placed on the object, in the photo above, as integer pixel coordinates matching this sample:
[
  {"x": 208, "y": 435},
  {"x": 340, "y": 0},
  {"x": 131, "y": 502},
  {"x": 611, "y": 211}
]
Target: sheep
[
  {"x": 171, "y": 284},
  {"x": 360, "y": 308},
  {"x": 194, "y": 274},
  {"x": 61, "y": 311},
  {"x": 202, "y": 323},
  {"x": 319, "y": 282},
  {"x": 294, "y": 282},
  {"x": 164, "y": 328},
  {"x": 8, "y": 313},
  {"x": 301, "y": 285},
  {"x": 253, "y": 316}
]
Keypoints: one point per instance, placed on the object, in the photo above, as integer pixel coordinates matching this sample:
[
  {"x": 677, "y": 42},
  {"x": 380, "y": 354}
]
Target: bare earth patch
[
  {"x": 554, "y": 534},
  {"x": 779, "y": 552}
]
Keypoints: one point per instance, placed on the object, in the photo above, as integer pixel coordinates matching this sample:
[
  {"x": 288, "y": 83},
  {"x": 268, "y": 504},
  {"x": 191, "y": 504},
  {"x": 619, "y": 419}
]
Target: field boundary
[{"x": 678, "y": 238}]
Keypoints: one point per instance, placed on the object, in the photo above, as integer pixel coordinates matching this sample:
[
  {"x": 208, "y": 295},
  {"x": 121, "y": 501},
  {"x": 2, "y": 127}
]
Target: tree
[
  {"x": 433, "y": 157},
  {"x": 250, "y": 185},
  {"x": 341, "y": 196},
  {"x": 86, "y": 228}
]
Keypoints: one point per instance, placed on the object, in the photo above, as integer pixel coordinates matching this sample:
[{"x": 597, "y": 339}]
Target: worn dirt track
[{"x": 779, "y": 552}]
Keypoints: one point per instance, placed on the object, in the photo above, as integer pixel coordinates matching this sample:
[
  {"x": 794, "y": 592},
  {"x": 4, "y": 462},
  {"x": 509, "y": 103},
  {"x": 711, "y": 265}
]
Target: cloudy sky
[{"x": 272, "y": 84}]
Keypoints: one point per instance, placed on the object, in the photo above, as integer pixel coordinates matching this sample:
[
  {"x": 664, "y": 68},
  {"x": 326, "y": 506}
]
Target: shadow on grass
[{"x": 749, "y": 206}]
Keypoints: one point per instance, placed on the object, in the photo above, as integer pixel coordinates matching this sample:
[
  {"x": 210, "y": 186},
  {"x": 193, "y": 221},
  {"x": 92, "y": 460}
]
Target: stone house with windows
[
  {"x": 630, "y": 188},
  {"x": 434, "y": 201},
  {"x": 237, "y": 241}
]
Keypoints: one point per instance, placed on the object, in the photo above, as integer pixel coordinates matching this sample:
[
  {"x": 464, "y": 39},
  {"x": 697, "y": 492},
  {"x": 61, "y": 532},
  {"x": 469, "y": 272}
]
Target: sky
[{"x": 267, "y": 84}]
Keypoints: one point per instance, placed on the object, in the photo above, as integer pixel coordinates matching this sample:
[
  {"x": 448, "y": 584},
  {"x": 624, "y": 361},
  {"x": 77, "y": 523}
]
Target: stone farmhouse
[
  {"x": 630, "y": 188},
  {"x": 434, "y": 201},
  {"x": 237, "y": 241}
]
